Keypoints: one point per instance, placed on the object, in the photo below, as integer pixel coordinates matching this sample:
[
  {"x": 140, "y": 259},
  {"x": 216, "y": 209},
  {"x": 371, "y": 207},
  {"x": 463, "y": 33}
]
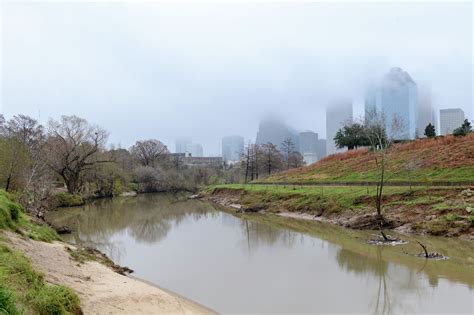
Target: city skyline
[{"x": 175, "y": 71}]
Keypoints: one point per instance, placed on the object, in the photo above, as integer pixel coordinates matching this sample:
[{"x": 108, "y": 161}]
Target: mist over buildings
[{"x": 206, "y": 71}]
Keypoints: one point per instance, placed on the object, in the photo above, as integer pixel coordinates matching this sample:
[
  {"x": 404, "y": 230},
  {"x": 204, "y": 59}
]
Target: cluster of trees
[
  {"x": 259, "y": 161},
  {"x": 37, "y": 161},
  {"x": 464, "y": 129},
  {"x": 461, "y": 131},
  {"x": 355, "y": 134}
]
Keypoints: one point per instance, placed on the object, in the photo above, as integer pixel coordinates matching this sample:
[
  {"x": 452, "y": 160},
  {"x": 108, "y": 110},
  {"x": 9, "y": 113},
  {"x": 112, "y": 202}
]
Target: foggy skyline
[{"x": 206, "y": 71}]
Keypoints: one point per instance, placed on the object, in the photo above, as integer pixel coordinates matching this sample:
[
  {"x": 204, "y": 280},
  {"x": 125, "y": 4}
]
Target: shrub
[
  {"x": 15, "y": 211},
  {"x": 65, "y": 199}
]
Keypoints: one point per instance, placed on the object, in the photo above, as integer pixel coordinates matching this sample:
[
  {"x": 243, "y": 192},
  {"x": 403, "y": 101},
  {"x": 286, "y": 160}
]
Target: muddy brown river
[{"x": 269, "y": 264}]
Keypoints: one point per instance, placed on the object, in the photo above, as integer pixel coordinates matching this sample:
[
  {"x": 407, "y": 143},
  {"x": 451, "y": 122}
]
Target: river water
[{"x": 268, "y": 264}]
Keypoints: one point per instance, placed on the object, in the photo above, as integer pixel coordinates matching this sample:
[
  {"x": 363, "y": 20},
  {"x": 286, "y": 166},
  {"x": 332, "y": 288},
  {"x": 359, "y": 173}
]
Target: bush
[
  {"x": 65, "y": 199},
  {"x": 9, "y": 211},
  {"x": 52, "y": 300},
  {"x": 15, "y": 211}
]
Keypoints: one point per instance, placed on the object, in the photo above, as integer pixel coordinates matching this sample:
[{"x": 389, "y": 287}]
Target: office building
[
  {"x": 337, "y": 115},
  {"x": 232, "y": 148},
  {"x": 450, "y": 119}
]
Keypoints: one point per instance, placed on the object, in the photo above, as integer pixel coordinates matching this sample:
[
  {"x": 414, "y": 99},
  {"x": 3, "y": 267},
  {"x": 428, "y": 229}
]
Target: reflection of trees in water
[
  {"x": 149, "y": 217},
  {"x": 391, "y": 279},
  {"x": 257, "y": 234}
]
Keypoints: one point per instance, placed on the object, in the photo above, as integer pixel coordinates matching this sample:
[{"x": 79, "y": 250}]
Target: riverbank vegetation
[
  {"x": 435, "y": 211},
  {"x": 69, "y": 161},
  {"x": 22, "y": 288}
]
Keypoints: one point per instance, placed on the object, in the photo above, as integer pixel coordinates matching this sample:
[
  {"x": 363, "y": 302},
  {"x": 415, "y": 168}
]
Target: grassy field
[
  {"x": 23, "y": 290},
  {"x": 444, "y": 159}
]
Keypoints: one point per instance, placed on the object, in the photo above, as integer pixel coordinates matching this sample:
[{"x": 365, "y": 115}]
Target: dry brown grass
[{"x": 440, "y": 156}]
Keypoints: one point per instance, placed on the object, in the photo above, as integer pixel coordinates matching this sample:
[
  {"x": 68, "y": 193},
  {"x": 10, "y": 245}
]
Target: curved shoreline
[
  {"x": 199, "y": 305},
  {"x": 101, "y": 290}
]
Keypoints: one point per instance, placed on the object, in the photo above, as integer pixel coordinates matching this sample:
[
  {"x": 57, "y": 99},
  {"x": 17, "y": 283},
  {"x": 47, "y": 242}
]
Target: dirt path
[{"x": 101, "y": 290}]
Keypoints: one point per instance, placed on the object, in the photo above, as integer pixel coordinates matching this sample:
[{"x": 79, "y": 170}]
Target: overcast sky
[{"x": 169, "y": 70}]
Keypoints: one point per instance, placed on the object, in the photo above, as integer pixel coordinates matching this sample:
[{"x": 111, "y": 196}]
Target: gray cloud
[{"x": 163, "y": 70}]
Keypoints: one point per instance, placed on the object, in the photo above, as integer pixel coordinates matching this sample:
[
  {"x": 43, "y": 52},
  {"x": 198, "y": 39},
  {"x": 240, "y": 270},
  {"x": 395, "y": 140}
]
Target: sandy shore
[{"x": 101, "y": 290}]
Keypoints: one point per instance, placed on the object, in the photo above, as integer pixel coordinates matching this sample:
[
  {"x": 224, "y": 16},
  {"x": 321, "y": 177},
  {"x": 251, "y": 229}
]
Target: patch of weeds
[
  {"x": 7, "y": 302},
  {"x": 452, "y": 217},
  {"x": 445, "y": 207},
  {"x": 84, "y": 254},
  {"x": 25, "y": 287},
  {"x": 55, "y": 300},
  {"x": 65, "y": 199}
]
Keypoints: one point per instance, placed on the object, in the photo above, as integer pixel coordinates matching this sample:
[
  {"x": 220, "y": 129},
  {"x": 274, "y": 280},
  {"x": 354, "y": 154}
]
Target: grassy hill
[
  {"x": 442, "y": 159},
  {"x": 24, "y": 290}
]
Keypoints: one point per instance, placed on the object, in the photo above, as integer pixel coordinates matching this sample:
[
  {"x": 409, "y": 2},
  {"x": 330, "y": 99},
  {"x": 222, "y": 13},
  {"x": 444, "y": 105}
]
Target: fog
[{"x": 202, "y": 71}]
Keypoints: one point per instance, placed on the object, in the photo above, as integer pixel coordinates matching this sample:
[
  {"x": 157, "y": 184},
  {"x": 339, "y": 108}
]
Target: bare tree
[
  {"x": 72, "y": 148},
  {"x": 257, "y": 152},
  {"x": 296, "y": 159},
  {"x": 272, "y": 158},
  {"x": 149, "y": 152},
  {"x": 381, "y": 142},
  {"x": 245, "y": 159},
  {"x": 288, "y": 147}
]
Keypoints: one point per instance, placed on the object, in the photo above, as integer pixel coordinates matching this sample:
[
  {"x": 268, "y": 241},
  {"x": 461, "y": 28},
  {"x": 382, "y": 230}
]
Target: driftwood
[{"x": 428, "y": 255}]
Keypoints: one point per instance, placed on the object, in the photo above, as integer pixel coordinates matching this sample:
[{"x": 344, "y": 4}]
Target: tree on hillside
[
  {"x": 464, "y": 129},
  {"x": 150, "y": 152},
  {"x": 352, "y": 136},
  {"x": 381, "y": 142},
  {"x": 430, "y": 131},
  {"x": 72, "y": 148},
  {"x": 287, "y": 147},
  {"x": 272, "y": 159},
  {"x": 296, "y": 160}
]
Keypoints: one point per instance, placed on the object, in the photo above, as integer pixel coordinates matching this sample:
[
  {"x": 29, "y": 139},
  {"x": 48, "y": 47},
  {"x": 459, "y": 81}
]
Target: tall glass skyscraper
[{"x": 397, "y": 99}]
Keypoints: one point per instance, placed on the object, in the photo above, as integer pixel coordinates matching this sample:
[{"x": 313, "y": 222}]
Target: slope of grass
[
  {"x": 23, "y": 289},
  {"x": 446, "y": 159},
  {"x": 309, "y": 199},
  {"x": 437, "y": 211}
]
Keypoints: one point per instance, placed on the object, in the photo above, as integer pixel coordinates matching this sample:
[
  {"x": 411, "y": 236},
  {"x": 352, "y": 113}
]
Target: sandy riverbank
[{"x": 101, "y": 290}]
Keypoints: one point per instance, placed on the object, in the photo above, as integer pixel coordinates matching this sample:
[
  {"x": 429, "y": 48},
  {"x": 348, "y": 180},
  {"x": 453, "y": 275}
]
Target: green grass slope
[{"x": 23, "y": 290}]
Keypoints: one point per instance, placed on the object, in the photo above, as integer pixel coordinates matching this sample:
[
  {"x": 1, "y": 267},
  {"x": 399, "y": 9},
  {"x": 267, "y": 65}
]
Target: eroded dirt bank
[
  {"x": 402, "y": 213},
  {"x": 101, "y": 290}
]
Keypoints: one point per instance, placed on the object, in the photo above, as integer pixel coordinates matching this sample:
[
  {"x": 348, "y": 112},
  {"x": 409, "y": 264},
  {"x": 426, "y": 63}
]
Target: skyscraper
[
  {"x": 181, "y": 145},
  {"x": 425, "y": 114},
  {"x": 321, "y": 149},
  {"x": 232, "y": 148},
  {"x": 450, "y": 119},
  {"x": 274, "y": 131},
  {"x": 337, "y": 114},
  {"x": 397, "y": 100},
  {"x": 194, "y": 149},
  {"x": 309, "y": 146}
]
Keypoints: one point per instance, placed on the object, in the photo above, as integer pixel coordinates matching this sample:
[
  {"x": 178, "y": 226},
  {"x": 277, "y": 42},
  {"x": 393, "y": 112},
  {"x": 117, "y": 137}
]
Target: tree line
[
  {"x": 259, "y": 161},
  {"x": 37, "y": 162}
]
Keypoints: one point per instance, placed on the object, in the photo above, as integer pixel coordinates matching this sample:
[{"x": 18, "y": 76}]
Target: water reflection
[{"x": 255, "y": 263}]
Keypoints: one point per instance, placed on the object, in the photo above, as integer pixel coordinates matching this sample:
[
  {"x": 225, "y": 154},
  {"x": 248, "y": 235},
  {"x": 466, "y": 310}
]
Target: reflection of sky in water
[{"x": 235, "y": 265}]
